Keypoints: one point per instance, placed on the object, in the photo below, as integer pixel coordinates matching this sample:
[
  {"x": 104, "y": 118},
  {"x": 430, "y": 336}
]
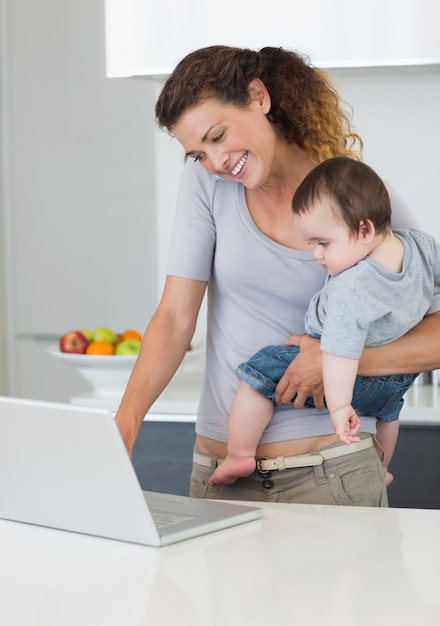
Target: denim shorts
[
  {"x": 356, "y": 479},
  {"x": 379, "y": 396}
]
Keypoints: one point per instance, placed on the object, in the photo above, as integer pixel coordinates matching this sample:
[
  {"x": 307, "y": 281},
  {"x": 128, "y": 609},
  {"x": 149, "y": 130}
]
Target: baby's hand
[{"x": 346, "y": 424}]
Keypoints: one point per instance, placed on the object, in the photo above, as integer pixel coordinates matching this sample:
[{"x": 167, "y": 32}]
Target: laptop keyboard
[{"x": 166, "y": 518}]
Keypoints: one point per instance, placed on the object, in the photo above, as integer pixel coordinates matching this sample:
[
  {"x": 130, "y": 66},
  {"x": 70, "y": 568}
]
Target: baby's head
[{"x": 354, "y": 189}]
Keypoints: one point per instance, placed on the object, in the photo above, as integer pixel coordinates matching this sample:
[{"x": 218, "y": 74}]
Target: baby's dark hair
[
  {"x": 357, "y": 192},
  {"x": 305, "y": 106}
]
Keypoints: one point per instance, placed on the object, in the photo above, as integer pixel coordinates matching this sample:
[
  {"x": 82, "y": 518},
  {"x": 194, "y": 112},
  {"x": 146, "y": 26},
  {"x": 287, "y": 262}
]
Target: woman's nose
[{"x": 220, "y": 161}]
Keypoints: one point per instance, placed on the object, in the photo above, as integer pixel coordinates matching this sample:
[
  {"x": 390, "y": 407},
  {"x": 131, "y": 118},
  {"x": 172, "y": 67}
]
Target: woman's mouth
[{"x": 237, "y": 169}]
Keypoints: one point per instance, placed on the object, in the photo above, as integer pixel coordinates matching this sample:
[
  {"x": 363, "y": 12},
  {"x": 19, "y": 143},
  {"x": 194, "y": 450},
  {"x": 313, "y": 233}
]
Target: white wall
[
  {"x": 396, "y": 113},
  {"x": 3, "y": 376},
  {"x": 79, "y": 241}
]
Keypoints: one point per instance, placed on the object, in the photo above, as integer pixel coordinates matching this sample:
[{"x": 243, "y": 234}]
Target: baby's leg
[
  {"x": 387, "y": 433},
  {"x": 250, "y": 414}
]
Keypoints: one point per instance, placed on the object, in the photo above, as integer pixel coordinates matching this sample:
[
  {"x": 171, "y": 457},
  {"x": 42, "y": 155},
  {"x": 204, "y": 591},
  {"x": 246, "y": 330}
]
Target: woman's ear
[
  {"x": 367, "y": 232},
  {"x": 259, "y": 96}
]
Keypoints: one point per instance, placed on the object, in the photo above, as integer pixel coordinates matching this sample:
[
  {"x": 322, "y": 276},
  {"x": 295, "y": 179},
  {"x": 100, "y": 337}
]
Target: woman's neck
[
  {"x": 290, "y": 166},
  {"x": 271, "y": 204}
]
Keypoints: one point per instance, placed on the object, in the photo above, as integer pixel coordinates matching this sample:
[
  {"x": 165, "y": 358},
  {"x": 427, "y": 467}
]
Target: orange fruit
[
  {"x": 131, "y": 334},
  {"x": 100, "y": 347}
]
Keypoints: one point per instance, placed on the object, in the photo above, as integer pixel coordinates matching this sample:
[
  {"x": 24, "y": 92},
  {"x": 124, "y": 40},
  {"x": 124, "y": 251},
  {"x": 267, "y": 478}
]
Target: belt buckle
[{"x": 259, "y": 461}]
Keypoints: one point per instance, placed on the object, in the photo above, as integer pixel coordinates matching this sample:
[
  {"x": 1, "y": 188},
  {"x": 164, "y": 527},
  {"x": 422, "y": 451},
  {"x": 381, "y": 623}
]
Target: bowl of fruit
[{"x": 103, "y": 358}]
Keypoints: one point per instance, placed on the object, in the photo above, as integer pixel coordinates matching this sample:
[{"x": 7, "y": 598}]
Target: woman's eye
[
  {"x": 199, "y": 157},
  {"x": 218, "y": 137}
]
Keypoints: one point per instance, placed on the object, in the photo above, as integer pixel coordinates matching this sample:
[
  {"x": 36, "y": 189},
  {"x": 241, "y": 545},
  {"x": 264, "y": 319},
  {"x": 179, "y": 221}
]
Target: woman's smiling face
[{"x": 231, "y": 142}]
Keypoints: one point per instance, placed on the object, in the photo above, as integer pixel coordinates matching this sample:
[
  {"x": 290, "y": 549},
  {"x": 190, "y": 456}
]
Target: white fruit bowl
[{"x": 107, "y": 375}]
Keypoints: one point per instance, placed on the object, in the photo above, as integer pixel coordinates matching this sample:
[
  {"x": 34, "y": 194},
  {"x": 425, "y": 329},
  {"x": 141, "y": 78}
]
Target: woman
[{"x": 252, "y": 125}]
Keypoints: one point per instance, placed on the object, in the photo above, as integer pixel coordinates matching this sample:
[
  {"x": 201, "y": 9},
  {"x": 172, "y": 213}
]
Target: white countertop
[
  {"x": 299, "y": 565},
  {"x": 178, "y": 402}
]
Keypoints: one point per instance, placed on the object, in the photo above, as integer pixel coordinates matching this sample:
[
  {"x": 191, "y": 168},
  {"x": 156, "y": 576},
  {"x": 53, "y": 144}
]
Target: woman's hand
[
  {"x": 303, "y": 377},
  {"x": 129, "y": 429}
]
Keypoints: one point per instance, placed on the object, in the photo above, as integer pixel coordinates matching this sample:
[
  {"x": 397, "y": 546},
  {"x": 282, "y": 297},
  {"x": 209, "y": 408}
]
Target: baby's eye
[{"x": 323, "y": 244}]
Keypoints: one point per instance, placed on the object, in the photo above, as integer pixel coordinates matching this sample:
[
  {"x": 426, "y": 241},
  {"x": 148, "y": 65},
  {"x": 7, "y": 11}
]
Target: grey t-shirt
[
  {"x": 258, "y": 294},
  {"x": 369, "y": 305}
]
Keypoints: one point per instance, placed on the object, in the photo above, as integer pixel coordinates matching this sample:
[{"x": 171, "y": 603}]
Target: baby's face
[{"x": 335, "y": 247}]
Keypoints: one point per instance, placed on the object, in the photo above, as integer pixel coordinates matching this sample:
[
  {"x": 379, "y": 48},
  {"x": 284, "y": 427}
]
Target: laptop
[{"x": 66, "y": 467}]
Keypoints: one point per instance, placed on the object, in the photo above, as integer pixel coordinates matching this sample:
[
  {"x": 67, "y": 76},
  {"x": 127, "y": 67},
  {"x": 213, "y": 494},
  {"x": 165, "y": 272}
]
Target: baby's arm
[{"x": 339, "y": 375}]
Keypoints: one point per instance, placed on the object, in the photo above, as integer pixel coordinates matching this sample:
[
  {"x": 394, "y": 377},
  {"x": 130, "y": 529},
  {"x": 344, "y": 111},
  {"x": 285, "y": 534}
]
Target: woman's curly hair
[{"x": 305, "y": 106}]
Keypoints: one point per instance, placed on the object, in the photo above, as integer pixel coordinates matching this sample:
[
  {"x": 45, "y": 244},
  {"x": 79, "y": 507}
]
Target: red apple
[{"x": 74, "y": 341}]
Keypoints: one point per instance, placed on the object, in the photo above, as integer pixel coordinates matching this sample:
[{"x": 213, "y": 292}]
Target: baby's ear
[{"x": 367, "y": 230}]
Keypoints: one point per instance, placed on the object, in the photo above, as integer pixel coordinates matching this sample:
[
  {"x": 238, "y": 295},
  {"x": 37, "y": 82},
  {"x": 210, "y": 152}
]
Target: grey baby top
[{"x": 368, "y": 305}]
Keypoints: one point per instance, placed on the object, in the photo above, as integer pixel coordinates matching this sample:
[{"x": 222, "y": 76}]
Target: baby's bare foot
[
  {"x": 388, "y": 478},
  {"x": 232, "y": 469}
]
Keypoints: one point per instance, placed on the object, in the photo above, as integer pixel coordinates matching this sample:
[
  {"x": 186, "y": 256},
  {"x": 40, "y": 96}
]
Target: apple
[
  {"x": 104, "y": 334},
  {"x": 74, "y": 341},
  {"x": 87, "y": 333},
  {"x": 128, "y": 347}
]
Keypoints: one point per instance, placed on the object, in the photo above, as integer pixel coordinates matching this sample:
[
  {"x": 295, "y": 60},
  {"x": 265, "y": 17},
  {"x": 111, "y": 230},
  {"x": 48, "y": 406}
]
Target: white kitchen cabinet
[{"x": 145, "y": 37}]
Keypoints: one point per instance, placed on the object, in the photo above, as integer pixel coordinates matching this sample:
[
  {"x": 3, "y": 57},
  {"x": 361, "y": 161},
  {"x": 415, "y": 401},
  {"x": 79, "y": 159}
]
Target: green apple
[
  {"x": 129, "y": 347},
  {"x": 88, "y": 334},
  {"x": 104, "y": 334}
]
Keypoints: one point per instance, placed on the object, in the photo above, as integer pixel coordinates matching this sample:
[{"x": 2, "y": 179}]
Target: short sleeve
[
  {"x": 193, "y": 237},
  {"x": 402, "y": 218}
]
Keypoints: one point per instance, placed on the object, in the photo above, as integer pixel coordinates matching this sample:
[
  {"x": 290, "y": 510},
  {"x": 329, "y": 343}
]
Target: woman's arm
[
  {"x": 417, "y": 351},
  {"x": 165, "y": 342}
]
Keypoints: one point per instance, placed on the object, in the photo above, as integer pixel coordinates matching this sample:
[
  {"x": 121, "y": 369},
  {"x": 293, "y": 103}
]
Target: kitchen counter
[
  {"x": 179, "y": 401},
  {"x": 299, "y": 564}
]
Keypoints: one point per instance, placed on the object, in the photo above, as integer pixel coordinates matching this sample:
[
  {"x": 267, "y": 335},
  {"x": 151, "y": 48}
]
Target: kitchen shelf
[{"x": 422, "y": 406}]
